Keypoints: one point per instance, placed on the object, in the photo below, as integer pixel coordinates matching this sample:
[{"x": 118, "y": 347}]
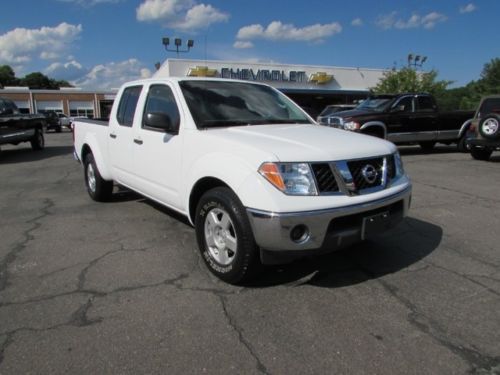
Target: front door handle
[
  {"x": 112, "y": 135},
  {"x": 138, "y": 141}
]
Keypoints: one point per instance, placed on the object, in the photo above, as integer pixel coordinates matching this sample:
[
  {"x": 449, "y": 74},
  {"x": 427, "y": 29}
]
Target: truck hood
[{"x": 302, "y": 142}]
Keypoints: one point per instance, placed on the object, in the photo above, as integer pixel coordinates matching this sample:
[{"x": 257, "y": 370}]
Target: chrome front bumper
[{"x": 331, "y": 228}]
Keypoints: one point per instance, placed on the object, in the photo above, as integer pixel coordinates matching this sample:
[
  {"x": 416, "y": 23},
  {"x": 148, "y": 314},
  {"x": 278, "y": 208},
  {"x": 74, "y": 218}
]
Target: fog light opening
[{"x": 299, "y": 233}]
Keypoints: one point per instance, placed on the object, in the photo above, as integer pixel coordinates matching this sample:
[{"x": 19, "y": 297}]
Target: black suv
[
  {"x": 486, "y": 127},
  {"x": 53, "y": 121}
]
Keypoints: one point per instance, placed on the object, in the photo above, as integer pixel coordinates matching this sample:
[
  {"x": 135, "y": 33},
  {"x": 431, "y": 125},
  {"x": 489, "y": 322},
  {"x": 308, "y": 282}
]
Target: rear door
[
  {"x": 157, "y": 153},
  {"x": 426, "y": 125},
  {"x": 121, "y": 137}
]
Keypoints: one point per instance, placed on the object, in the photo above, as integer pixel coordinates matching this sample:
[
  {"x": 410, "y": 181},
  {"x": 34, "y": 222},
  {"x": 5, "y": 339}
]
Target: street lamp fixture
[
  {"x": 178, "y": 45},
  {"x": 416, "y": 60}
]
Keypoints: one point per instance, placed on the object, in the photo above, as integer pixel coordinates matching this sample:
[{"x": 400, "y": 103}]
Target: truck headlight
[
  {"x": 290, "y": 178},
  {"x": 398, "y": 162},
  {"x": 351, "y": 125}
]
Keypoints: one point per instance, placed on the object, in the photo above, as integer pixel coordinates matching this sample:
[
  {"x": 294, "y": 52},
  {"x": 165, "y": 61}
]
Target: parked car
[
  {"x": 16, "y": 127},
  {"x": 64, "y": 120},
  {"x": 53, "y": 122},
  {"x": 486, "y": 128},
  {"x": 326, "y": 117},
  {"x": 256, "y": 176},
  {"x": 406, "y": 119}
]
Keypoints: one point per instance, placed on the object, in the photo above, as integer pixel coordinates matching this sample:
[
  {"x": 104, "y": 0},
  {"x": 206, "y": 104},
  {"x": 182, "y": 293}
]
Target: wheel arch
[
  {"x": 201, "y": 186},
  {"x": 378, "y": 126}
]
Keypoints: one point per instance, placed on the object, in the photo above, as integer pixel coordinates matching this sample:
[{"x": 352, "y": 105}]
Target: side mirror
[{"x": 160, "y": 121}]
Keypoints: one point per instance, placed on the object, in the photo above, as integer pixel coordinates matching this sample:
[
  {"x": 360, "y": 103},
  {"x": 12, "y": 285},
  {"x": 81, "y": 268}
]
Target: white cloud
[
  {"x": 467, "y": 8},
  {"x": 357, "y": 22},
  {"x": 390, "y": 21},
  {"x": 180, "y": 14},
  {"x": 68, "y": 71},
  {"x": 20, "y": 46},
  {"x": 279, "y": 31},
  {"x": 242, "y": 44},
  {"x": 112, "y": 75}
]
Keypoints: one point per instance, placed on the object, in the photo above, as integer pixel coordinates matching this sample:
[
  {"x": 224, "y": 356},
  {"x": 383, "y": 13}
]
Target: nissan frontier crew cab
[{"x": 260, "y": 181}]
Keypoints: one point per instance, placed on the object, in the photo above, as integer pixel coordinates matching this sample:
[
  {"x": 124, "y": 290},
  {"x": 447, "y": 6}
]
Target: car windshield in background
[
  {"x": 219, "y": 103},
  {"x": 378, "y": 103}
]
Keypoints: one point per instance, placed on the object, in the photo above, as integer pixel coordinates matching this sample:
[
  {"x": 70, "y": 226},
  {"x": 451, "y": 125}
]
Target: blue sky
[{"x": 99, "y": 44}]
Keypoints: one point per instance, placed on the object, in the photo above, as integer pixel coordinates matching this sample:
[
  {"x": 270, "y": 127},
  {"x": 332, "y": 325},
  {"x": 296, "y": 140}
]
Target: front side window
[
  {"x": 127, "y": 106},
  {"x": 405, "y": 104},
  {"x": 161, "y": 100},
  {"x": 219, "y": 103}
]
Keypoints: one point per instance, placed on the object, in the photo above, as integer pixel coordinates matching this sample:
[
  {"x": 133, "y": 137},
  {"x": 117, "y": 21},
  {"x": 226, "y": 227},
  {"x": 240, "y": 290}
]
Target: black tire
[
  {"x": 427, "y": 146},
  {"x": 98, "y": 188},
  {"x": 462, "y": 145},
  {"x": 58, "y": 129},
  {"x": 489, "y": 126},
  {"x": 234, "y": 267},
  {"x": 480, "y": 153},
  {"x": 38, "y": 141}
]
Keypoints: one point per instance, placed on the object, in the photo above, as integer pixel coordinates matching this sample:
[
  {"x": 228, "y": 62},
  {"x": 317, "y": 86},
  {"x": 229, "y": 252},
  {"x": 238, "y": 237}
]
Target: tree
[
  {"x": 38, "y": 80},
  {"x": 409, "y": 80},
  {"x": 490, "y": 77},
  {"x": 7, "y": 76}
]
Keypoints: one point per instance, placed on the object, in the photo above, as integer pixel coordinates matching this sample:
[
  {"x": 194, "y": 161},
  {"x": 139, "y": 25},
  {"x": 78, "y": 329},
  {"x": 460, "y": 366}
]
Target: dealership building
[{"x": 312, "y": 87}]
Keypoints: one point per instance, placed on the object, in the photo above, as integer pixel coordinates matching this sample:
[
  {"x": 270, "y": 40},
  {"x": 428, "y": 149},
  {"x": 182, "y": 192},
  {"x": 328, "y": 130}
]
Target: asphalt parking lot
[{"x": 120, "y": 288}]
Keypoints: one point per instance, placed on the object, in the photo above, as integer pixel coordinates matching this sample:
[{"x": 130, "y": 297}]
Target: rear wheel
[
  {"x": 225, "y": 237},
  {"x": 427, "y": 146},
  {"x": 462, "y": 145},
  {"x": 480, "y": 154},
  {"x": 98, "y": 188},
  {"x": 38, "y": 141}
]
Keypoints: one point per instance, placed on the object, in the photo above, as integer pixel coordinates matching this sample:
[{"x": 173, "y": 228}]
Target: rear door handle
[
  {"x": 112, "y": 135},
  {"x": 138, "y": 141}
]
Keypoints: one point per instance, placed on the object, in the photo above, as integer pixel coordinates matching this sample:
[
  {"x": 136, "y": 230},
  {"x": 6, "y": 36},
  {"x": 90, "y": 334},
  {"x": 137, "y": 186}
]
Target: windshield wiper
[{"x": 222, "y": 123}]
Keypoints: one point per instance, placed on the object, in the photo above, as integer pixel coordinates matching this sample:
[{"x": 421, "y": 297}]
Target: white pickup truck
[{"x": 260, "y": 181}]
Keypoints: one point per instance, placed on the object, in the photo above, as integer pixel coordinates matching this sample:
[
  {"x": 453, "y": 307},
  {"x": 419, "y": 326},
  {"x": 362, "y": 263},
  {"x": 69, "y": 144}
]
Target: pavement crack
[
  {"x": 21, "y": 245},
  {"x": 79, "y": 317},
  {"x": 241, "y": 338}
]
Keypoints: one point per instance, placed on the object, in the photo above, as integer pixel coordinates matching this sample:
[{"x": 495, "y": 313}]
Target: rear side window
[
  {"x": 128, "y": 104},
  {"x": 425, "y": 104},
  {"x": 490, "y": 106}
]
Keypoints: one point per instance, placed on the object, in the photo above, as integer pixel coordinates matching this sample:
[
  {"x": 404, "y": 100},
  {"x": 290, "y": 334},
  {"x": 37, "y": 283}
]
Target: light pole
[
  {"x": 177, "y": 44},
  {"x": 416, "y": 60}
]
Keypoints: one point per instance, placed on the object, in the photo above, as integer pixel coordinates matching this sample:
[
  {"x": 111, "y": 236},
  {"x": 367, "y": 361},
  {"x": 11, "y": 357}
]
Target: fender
[
  {"x": 93, "y": 144},
  {"x": 464, "y": 127},
  {"x": 371, "y": 124}
]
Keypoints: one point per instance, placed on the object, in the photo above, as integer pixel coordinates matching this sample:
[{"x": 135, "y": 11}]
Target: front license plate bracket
[{"x": 375, "y": 224}]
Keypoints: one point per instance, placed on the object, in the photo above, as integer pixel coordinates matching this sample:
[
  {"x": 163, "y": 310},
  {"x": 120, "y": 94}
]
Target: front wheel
[
  {"x": 98, "y": 188},
  {"x": 225, "y": 237},
  {"x": 38, "y": 141}
]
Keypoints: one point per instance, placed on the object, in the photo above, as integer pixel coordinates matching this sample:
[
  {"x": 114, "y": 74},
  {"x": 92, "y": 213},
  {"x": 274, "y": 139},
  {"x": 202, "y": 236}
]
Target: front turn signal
[{"x": 271, "y": 173}]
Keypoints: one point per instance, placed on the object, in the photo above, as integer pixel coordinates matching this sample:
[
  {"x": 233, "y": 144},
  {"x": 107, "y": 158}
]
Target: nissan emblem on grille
[{"x": 369, "y": 173}]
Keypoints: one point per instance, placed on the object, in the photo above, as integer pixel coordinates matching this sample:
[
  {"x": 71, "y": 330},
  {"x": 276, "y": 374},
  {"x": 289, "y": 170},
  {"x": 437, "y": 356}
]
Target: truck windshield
[
  {"x": 223, "y": 104},
  {"x": 377, "y": 103}
]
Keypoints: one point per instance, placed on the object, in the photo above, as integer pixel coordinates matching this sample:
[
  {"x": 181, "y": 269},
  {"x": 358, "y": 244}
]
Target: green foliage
[
  {"x": 7, "y": 76},
  {"x": 34, "y": 80},
  {"x": 409, "y": 80}
]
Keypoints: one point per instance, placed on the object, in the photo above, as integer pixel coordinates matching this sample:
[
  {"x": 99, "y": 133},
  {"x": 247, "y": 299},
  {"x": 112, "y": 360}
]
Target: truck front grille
[
  {"x": 352, "y": 177},
  {"x": 325, "y": 178},
  {"x": 366, "y": 173}
]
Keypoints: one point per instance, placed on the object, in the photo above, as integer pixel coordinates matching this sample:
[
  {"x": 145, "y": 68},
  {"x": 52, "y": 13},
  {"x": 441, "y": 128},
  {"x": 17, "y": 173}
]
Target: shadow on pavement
[
  {"x": 407, "y": 244},
  {"x": 25, "y": 154},
  {"x": 438, "y": 149}
]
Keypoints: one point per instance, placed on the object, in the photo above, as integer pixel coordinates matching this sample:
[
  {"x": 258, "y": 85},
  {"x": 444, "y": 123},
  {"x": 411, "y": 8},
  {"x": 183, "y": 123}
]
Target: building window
[{"x": 81, "y": 112}]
